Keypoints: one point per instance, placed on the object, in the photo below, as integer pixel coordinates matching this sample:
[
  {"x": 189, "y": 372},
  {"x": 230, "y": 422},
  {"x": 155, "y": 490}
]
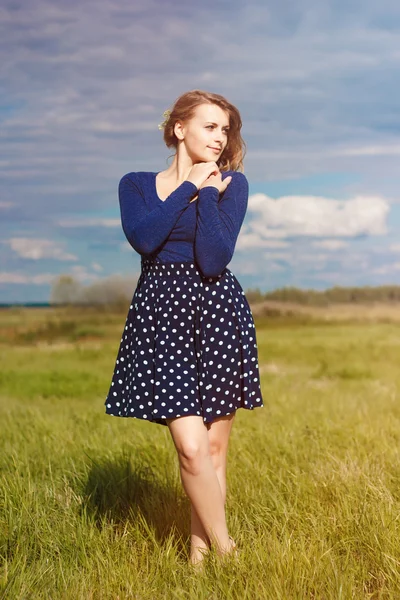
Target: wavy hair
[{"x": 184, "y": 109}]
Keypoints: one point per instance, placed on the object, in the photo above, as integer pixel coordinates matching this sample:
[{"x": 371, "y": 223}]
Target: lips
[{"x": 215, "y": 149}]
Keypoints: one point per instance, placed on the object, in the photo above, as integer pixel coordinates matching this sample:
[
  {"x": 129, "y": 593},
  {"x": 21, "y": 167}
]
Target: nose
[{"x": 219, "y": 138}]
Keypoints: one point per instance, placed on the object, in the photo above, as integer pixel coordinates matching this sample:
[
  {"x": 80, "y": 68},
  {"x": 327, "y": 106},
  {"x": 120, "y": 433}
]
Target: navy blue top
[{"x": 172, "y": 230}]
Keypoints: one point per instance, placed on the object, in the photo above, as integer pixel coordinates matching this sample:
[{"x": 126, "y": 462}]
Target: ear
[{"x": 179, "y": 130}]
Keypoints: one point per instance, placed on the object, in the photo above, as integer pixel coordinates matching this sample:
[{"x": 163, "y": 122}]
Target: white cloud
[
  {"x": 250, "y": 240},
  {"x": 96, "y": 267},
  {"x": 330, "y": 244},
  {"x": 297, "y": 258},
  {"x": 247, "y": 240},
  {"x": 383, "y": 150},
  {"x": 276, "y": 244},
  {"x": 386, "y": 269},
  {"x": 95, "y": 222},
  {"x": 23, "y": 278},
  {"x": 275, "y": 268},
  {"x": 317, "y": 216},
  {"x": 78, "y": 272},
  {"x": 37, "y": 249},
  {"x": 81, "y": 273},
  {"x": 287, "y": 256},
  {"x": 244, "y": 267}
]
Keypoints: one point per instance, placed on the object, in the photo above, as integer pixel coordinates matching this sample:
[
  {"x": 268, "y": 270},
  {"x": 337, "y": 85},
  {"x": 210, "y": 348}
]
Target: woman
[{"x": 188, "y": 356}]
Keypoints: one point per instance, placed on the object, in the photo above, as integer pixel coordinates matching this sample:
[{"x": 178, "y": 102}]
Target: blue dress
[{"x": 189, "y": 343}]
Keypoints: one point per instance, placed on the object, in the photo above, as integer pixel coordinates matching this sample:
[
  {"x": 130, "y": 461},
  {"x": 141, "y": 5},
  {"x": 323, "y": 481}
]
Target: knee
[
  {"x": 192, "y": 457},
  {"x": 217, "y": 453}
]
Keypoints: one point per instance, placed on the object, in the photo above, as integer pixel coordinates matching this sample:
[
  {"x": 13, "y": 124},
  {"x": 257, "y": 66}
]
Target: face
[{"x": 206, "y": 134}]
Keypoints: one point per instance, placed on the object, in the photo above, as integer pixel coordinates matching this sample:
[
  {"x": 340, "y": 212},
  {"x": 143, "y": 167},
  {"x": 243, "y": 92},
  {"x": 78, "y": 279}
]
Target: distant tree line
[
  {"x": 118, "y": 290},
  {"x": 334, "y": 295},
  {"x": 113, "y": 290}
]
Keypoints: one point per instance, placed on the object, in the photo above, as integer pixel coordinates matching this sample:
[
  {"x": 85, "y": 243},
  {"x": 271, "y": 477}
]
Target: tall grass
[{"x": 92, "y": 506}]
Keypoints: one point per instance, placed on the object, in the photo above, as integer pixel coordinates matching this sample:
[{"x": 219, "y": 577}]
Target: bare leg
[
  {"x": 199, "y": 540},
  {"x": 218, "y": 434},
  {"x": 199, "y": 477}
]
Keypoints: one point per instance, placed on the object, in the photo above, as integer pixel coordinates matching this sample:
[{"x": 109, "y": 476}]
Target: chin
[
  {"x": 212, "y": 156},
  {"x": 208, "y": 157}
]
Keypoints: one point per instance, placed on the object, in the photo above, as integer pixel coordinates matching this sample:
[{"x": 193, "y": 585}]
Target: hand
[
  {"x": 200, "y": 172},
  {"x": 216, "y": 181}
]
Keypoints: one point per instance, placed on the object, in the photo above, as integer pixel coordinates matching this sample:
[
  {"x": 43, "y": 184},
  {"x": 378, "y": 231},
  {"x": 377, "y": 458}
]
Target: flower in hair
[{"x": 166, "y": 115}]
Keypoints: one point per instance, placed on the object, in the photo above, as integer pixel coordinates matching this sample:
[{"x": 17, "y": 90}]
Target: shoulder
[
  {"x": 137, "y": 177},
  {"x": 138, "y": 183}
]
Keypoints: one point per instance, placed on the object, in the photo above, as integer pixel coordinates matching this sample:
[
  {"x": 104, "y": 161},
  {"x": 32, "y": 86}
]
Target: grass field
[{"x": 92, "y": 506}]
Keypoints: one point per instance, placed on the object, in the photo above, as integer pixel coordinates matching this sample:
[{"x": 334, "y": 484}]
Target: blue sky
[{"x": 83, "y": 88}]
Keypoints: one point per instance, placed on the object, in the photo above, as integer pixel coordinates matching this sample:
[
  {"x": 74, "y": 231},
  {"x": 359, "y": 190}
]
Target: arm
[
  {"x": 146, "y": 230},
  {"x": 219, "y": 223}
]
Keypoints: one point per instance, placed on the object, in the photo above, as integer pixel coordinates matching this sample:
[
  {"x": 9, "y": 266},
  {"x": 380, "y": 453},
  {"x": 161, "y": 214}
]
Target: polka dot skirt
[{"x": 188, "y": 347}]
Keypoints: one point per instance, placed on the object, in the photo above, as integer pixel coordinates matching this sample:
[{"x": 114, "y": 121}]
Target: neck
[{"x": 179, "y": 170}]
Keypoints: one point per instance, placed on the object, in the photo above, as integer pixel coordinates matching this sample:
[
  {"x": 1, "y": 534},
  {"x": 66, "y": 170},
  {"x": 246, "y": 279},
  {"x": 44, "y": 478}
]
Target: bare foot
[
  {"x": 197, "y": 557},
  {"x": 233, "y": 551}
]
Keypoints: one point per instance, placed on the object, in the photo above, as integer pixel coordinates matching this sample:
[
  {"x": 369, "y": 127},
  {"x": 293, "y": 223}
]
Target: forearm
[
  {"x": 213, "y": 246},
  {"x": 146, "y": 232}
]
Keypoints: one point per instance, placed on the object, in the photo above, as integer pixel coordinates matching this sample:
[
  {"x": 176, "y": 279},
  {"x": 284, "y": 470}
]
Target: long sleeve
[
  {"x": 146, "y": 230},
  {"x": 219, "y": 223}
]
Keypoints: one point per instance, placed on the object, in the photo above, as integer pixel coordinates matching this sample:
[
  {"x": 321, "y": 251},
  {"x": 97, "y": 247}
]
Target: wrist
[
  {"x": 210, "y": 187},
  {"x": 191, "y": 186},
  {"x": 193, "y": 183}
]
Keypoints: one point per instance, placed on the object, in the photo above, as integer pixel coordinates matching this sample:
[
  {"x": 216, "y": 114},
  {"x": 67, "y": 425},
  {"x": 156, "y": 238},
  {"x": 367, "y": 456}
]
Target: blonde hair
[{"x": 184, "y": 109}]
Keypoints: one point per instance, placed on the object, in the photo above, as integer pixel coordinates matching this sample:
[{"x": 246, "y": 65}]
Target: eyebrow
[{"x": 226, "y": 126}]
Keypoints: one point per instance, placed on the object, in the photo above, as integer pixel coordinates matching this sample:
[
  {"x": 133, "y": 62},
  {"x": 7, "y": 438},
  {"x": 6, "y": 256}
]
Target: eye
[{"x": 226, "y": 131}]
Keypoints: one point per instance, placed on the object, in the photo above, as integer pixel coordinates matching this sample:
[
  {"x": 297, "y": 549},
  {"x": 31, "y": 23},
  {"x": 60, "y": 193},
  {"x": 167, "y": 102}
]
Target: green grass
[{"x": 92, "y": 506}]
